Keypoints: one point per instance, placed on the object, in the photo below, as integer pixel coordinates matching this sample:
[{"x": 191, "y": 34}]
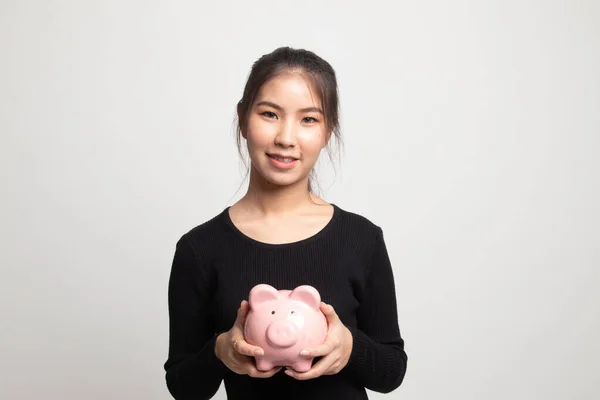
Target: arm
[
  {"x": 378, "y": 359},
  {"x": 192, "y": 368}
]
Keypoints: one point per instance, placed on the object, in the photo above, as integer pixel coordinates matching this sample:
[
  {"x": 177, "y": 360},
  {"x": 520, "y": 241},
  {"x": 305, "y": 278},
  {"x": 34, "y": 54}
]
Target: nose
[
  {"x": 286, "y": 136},
  {"x": 282, "y": 334}
]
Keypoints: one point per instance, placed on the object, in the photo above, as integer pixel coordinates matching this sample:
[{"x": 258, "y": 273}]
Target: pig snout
[{"x": 282, "y": 334}]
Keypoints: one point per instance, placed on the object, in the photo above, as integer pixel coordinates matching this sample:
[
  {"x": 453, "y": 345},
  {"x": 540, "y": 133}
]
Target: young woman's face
[{"x": 286, "y": 130}]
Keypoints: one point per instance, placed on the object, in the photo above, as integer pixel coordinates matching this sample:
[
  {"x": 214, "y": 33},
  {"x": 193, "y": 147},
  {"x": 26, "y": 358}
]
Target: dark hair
[{"x": 318, "y": 71}]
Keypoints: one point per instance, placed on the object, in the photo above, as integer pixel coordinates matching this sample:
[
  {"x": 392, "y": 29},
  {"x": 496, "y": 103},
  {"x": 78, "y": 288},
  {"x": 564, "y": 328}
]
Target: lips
[
  {"x": 282, "y": 162},
  {"x": 282, "y": 158}
]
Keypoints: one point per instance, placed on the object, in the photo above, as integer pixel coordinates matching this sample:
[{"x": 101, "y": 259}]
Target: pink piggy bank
[{"x": 283, "y": 323}]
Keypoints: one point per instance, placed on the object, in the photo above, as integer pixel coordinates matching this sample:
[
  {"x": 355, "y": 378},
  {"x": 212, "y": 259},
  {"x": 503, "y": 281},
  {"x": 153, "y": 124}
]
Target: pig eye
[
  {"x": 272, "y": 312},
  {"x": 292, "y": 312}
]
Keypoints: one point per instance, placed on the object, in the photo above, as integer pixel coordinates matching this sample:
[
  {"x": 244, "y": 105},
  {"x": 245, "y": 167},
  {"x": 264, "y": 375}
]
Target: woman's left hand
[{"x": 335, "y": 350}]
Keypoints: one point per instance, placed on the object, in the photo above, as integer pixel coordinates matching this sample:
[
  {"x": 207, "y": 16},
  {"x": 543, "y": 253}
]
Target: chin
[
  {"x": 285, "y": 179},
  {"x": 278, "y": 181},
  {"x": 270, "y": 176}
]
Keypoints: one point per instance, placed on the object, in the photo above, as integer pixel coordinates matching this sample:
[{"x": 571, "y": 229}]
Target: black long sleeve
[
  {"x": 378, "y": 359},
  {"x": 215, "y": 266},
  {"x": 193, "y": 369}
]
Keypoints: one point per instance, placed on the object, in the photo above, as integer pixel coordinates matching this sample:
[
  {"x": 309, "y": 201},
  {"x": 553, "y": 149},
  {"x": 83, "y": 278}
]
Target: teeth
[{"x": 282, "y": 159}]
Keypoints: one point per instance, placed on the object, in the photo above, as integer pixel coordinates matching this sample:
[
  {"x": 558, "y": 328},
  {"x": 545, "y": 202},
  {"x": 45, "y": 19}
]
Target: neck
[{"x": 268, "y": 198}]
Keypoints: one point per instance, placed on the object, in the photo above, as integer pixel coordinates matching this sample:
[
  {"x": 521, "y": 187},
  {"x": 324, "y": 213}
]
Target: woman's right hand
[{"x": 236, "y": 353}]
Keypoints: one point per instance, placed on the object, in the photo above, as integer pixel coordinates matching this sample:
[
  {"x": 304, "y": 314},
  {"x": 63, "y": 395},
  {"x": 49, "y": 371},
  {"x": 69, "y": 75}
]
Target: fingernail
[
  {"x": 259, "y": 352},
  {"x": 304, "y": 352},
  {"x": 289, "y": 373}
]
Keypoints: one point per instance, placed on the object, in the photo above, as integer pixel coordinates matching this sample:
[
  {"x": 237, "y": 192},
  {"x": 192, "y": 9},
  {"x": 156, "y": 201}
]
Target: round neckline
[{"x": 317, "y": 235}]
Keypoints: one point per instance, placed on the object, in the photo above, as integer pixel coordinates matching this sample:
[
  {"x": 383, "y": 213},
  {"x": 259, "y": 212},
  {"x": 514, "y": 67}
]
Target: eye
[
  {"x": 309, "y": 120},
  {"x": 292, "y": 312},
  {"x": 272, "y": 312},
  {"x": 268, "y": 114}
]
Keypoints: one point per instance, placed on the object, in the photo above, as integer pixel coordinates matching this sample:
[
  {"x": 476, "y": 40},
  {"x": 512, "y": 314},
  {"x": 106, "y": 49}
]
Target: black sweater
[{"x": 214, "y": 267}]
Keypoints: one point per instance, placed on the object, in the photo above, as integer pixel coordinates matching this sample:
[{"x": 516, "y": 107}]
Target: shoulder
[
  {"x": 358, "y": 222},
  {"x": 207, "y": 235},
  {"x": 359, "y": 232},
  {"x": 209, "y": 227}
]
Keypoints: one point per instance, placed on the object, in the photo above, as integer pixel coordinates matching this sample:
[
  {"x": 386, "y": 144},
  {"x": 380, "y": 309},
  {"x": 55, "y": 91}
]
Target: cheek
[
  {"x": 312, "y": 142},
  {"x": 260, "y": 134}
]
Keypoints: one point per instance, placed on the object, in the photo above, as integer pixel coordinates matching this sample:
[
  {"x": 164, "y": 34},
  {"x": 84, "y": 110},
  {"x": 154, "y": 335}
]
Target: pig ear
[
  {"x": 261, "y": 293},
  {"x": 307, "y": 295}
]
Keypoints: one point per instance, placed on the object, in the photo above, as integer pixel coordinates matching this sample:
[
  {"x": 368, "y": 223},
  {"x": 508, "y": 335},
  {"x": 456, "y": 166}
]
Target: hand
[
  {"x": 236, "y": 353},
  {"x": 335, "y": 351}
]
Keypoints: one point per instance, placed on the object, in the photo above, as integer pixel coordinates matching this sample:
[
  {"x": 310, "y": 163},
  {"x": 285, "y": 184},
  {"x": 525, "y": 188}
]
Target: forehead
[{"x": 291, "y": 89}]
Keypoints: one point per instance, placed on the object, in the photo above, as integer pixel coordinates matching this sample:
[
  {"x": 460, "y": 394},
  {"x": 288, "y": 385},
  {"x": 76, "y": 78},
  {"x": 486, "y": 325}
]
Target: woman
[{"x": 282, "y": 234}]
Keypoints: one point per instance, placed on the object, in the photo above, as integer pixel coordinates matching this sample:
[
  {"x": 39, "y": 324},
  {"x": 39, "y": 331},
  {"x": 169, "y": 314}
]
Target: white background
[{"x": 471, "y": 135}]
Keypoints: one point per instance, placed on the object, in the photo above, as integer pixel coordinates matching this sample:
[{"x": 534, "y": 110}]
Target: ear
[
  {"x": 327, "y": 139},
  {"x": 239, "y": 106},
  {"x": 261, "y": 293},
  {"x": 307, "y": 295}
]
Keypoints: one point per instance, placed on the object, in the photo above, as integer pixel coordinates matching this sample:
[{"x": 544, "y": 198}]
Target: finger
[
  {"x": 247, "y": 367},
  {"x": 329, "y": 312},
  {"x": 320, "y": 350},
  {"x": 247, "y": 349},
  {"x": 243, "y": 310},
  {"x": 316, "y": 370},
  {"x": 242, "y": 313},
  {"x": 253, "y": 372}
]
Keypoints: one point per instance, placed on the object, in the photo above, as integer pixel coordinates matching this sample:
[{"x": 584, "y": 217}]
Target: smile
[
  {"x": 282, "y": 162},
  {"x": 282, "y": 159}
]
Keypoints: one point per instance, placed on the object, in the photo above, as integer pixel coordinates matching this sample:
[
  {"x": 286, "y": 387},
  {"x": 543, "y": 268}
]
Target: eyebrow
[{"x": 277, "y": 107}]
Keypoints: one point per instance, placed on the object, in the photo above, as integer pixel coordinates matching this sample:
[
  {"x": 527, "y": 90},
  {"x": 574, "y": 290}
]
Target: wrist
[
  {"x": 219, "y": 345},
  {"x": 350, "y": 338}
]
